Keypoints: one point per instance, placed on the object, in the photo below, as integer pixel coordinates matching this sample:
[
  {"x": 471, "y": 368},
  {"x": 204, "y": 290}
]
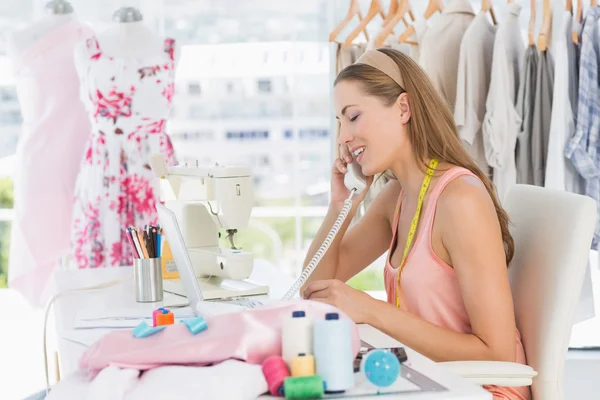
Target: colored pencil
[{"x": 130, "y": 240}]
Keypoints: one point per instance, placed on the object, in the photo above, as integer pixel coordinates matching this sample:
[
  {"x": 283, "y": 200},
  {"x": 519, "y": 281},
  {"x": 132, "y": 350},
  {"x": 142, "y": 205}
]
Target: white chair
[{"x": 553, "y": 231}]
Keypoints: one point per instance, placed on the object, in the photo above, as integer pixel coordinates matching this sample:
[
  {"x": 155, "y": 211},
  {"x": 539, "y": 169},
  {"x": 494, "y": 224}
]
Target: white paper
[
  {"x": 86, "y": 337},
  {"x": 128, "y": 313}
]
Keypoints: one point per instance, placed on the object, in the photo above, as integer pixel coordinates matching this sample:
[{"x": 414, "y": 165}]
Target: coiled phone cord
[{"x": 323, "y": 249}]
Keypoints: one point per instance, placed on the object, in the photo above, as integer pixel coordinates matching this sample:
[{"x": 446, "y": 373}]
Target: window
[
  {"x": 264, "y": 85},
  {"x": 8, "y": 94},
  {"x": 247, "y": 135},
  {"x": 194, "y": 89},
  {"x": 196, "y": 111}
]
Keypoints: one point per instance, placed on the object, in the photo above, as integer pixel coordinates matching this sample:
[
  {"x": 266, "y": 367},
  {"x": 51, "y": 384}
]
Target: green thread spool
[{"x": 303, "y": 387}]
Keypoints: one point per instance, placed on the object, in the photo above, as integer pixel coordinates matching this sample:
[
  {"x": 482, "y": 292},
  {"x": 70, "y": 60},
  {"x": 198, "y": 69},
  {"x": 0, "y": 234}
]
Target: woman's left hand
[{"x": 352, "y": 302}]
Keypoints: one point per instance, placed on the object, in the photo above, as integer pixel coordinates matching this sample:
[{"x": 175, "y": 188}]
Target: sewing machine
[{"x": 205, "y": 199}]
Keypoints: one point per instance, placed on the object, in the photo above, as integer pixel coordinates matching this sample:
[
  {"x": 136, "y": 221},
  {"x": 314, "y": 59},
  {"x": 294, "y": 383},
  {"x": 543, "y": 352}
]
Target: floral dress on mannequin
[{"x": 128, "y": 101}]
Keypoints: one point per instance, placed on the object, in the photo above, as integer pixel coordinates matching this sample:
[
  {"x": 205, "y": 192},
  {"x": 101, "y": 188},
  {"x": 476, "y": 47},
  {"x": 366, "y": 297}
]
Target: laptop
[{"x": 192, "y": 289}]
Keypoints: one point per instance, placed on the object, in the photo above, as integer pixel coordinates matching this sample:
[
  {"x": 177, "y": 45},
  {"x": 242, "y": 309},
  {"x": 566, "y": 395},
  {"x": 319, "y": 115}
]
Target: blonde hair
[{"x": 431, "y": 129}]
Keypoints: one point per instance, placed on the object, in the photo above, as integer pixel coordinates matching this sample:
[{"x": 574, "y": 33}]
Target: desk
[{"x": 122, "y": 295}]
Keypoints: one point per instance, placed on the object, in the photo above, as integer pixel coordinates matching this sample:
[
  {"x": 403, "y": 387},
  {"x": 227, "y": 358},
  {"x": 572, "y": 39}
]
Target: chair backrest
[{"x": 553, "y": 231}]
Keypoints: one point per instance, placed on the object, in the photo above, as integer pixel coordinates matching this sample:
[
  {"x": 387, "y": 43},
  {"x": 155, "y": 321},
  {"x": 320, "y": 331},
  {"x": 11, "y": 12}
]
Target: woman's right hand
[{"x": 339, "y": 191}]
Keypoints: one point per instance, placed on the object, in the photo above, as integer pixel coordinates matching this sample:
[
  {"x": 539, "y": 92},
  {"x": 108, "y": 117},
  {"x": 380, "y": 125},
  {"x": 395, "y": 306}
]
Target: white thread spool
[
  {"x": 333, "y": 353},
  {"x": 296, "y": 336}
]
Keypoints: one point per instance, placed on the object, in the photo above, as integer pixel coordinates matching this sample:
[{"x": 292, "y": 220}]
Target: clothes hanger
[
  {"x": 59, "y": 7},
  {"x": 530, "y": 34},
  {"x": 545, "y": 32},
  {"x": 486, "y": 6},
  {"x": 353, "y": 10},
  {"x": 578, "y": 19},
  {"x": 374, "y": 9},
  {"x": 433, "y": 7},
  {"x": 401, "y": 10},
  {"x": 393, "y": 10}
]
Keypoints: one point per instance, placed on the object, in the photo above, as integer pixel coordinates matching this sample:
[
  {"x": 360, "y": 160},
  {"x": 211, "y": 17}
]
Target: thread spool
[
  {"x": 275, "y": 371},
  {"x": 296, "y": 336},
  {"x": 303, "y": 387},
  {"x": 303, "y": 365},
  {"x": 333, "y": 353}
]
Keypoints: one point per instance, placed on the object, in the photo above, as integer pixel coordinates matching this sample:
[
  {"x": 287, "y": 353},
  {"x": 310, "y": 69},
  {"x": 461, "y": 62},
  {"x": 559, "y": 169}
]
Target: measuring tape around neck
[{"x": 415, "y": 221}]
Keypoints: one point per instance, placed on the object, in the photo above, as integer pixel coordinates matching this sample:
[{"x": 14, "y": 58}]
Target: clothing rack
[{"x": 524, "y": 125}]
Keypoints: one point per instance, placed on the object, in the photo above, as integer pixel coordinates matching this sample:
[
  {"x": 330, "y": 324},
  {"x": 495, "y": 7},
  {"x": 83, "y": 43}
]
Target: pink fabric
[
  {"x": 50, "y": 148},
  {"x": 429, "y": 287},
  {"x": 251, "y": 335},
  {"x": 128, "y": 101}
]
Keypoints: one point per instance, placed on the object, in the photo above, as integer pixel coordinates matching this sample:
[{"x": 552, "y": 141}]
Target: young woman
[{"x": 448, "y": 294}]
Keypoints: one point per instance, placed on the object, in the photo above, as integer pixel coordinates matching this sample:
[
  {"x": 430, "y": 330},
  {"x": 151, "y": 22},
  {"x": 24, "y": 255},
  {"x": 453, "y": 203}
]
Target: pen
[
  {"x": 151, "y": 241},
  {"x": 158, "y": 241},
  {"x": 155, "y": 242},
  {"x": 148, "y": 244},
  {"x": 136, "y": 243},
  {"x": 131, "y": 243},
  {"x": 142, "y": 244}
]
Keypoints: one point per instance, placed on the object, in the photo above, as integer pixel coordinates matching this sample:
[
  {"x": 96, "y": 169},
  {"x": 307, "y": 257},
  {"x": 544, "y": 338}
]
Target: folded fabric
[
  {"x": 251, "y": 335},
  {"x": 177, "y": 382}
]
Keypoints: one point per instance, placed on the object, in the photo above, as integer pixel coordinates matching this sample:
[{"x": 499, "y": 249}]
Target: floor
[{"x": 21, "y": 355}]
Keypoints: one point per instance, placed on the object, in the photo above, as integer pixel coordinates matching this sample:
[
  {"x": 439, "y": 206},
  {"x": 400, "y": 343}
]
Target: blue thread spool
[
  {"x": 332, "y": 339},
  {"x": 381, "y": 367}
]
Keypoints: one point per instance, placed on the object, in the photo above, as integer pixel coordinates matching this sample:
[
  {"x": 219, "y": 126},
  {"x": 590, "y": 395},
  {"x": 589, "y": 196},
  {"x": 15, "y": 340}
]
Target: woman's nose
[{"x": 344, "y": 137}]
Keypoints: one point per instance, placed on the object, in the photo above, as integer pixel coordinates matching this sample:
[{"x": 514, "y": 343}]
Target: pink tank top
[{"x": 429, "y": 287}]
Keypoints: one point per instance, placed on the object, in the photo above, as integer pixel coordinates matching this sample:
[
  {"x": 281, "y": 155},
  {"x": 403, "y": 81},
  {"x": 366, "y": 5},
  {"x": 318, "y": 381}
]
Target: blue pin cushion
[
  {"x": 381, "y": 367},
  {"x": 195, "y": 325},
  {"x": 144, "y": 330}
]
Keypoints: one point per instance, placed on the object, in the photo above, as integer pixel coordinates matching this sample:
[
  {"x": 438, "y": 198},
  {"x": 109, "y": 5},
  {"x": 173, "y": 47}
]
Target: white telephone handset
[
  {"x": 356, "y": 186},
  {"x": 352, "y": 181}
]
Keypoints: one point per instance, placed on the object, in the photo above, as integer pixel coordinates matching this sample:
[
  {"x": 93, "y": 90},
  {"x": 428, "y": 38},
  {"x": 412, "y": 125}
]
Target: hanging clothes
[
  {"x": 502, "y": 122},
  {"x": 345, "y": 56},
  {"x": 560, "y": 172},
  {"x": 440, "y": 47},
  {"x": 525, "y": 105},
  {"x": 50, "y": 147},
  {"x": 474, "y": 71},
  {"x": 542, "y": 112},
  {"x": 583, "y": 148},
  {"x": 128, "y": 101},
  {"x": 421, "y": 26}
]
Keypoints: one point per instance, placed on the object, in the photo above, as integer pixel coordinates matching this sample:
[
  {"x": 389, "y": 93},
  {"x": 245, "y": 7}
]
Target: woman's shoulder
[
  {"x": 464, "y": 193},
  {"x": 387, "y": 198}
]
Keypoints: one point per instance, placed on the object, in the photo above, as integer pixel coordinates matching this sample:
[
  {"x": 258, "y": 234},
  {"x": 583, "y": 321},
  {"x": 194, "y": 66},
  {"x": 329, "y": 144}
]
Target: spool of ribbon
[
  {"x": 303, "y": 387},
  {"x": 303, "y": 365}
]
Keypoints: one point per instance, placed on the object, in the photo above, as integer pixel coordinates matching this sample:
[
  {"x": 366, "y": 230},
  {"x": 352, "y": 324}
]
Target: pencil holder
[{"x": 148, "y": 280}]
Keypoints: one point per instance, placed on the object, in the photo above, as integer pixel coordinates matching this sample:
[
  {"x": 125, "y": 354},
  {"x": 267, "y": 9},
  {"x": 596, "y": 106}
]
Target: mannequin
[
  {"x": 129, "y": 37},
  {"x": 58, "y": 12},
  {"x": 127, "y": 79},
  {"x": 55, "y": 129}
]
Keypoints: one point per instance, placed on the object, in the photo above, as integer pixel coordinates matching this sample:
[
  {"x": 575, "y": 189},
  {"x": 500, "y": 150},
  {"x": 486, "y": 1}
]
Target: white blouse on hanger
[
  {"x": 560, "y": 172},
  {"x": 502, "y": 122}
]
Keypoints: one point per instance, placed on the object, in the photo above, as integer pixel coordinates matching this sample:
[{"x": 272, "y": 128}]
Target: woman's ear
[{"x": 402, "y": 103}]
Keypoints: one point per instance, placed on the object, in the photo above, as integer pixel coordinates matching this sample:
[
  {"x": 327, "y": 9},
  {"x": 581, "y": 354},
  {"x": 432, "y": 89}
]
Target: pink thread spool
[{"x": 275, "y": 371}]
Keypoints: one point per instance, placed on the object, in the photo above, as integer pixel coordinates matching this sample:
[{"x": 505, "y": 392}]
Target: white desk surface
[{"x": 122, "y": 295}]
